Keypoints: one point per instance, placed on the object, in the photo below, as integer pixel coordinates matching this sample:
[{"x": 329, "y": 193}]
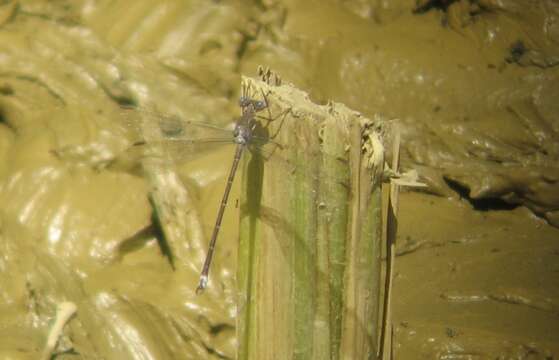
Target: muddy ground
[{"x": 473, "y": 83}]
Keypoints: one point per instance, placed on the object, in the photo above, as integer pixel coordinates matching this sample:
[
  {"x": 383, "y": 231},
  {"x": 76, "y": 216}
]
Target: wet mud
[{"x": 473, "y": 83}]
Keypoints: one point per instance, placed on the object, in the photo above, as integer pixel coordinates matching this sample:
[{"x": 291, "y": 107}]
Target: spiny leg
[{"x": 270, "y": 118}]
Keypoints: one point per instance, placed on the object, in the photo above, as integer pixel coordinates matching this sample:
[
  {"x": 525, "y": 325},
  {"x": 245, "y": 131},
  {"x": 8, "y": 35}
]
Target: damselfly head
[{"x": 257, "y": 105}]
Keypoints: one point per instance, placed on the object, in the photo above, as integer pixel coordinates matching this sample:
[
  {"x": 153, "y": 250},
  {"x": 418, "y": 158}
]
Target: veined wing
[
  {"x": 170, "y": 138},
  {"x": 148, "y": 125}
]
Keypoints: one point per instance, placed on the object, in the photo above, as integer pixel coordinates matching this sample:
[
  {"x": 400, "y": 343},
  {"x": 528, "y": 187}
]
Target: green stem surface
[{"x": 310, "y": 235}]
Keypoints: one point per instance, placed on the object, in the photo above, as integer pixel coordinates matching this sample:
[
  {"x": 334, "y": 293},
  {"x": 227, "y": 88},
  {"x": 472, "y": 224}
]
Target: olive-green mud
[{"x": 474, "y": 84}]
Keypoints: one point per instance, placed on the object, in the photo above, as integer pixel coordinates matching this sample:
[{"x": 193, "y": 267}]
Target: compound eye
[
  {"x": 259, "y": 105},
  {"x": 243, "y": 101}
]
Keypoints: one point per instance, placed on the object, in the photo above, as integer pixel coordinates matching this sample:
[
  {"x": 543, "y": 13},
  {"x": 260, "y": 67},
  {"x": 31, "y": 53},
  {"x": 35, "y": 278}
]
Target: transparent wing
[
  {"x": 172, "y": 138},
  {"x": 149, "y": 125}
]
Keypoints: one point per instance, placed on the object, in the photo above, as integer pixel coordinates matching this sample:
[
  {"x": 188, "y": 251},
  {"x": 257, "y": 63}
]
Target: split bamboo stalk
[{"x": 310, "y": 232}]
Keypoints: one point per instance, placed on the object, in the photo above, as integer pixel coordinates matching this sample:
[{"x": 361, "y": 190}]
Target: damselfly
[
  {"x": 179, "y": 136},
  {"x": 173, "y": 140}
]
